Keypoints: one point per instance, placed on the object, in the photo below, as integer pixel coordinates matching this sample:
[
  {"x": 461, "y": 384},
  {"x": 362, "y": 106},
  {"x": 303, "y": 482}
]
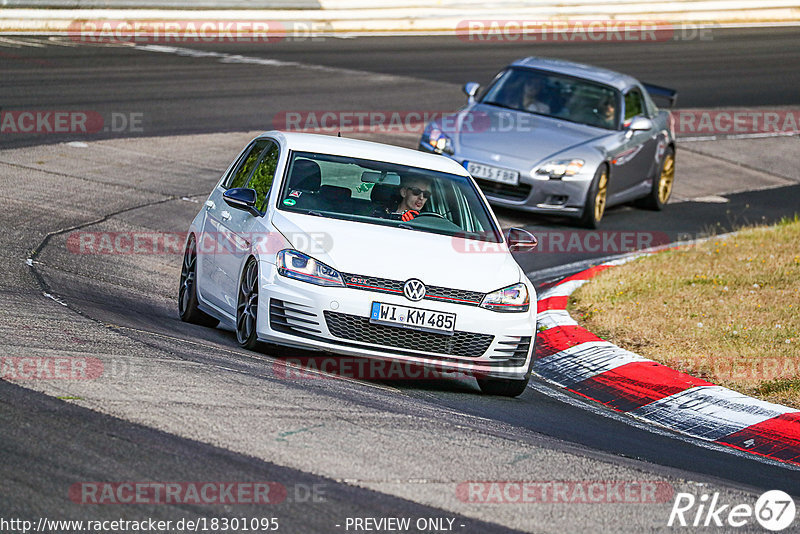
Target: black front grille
[
  {"x": 513, "y": 351},
  {"x": 395, "y": 287},
  {"x": 496, "y": 189},
  {"x": 292, "y": 318},
  {"x": 356, "y": 328}
]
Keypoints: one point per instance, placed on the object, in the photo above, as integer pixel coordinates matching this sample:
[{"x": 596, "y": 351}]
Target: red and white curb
[{"x": 577, "y": 360}]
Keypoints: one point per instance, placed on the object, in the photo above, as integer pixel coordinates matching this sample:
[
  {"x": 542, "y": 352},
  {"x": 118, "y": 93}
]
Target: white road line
[
  {"x": 61, "y": 41},
  {"x": 9, "y": 43},
  {"x": 223, "y": 57},
  {"x": 22, "y": 42}
]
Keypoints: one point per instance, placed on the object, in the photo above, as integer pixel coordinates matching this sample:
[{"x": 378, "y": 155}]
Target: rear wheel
[
  {"x": 595, "y": 206},
  {"x": 662, "y": 187},
  {"x": 247, "y": 308},
  {"x": 503, "y": 387},
  {"x": 187, "y": 291}
]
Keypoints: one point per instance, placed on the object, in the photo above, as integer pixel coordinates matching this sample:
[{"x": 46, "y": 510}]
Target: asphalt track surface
[{"x": 48, "y": 443}]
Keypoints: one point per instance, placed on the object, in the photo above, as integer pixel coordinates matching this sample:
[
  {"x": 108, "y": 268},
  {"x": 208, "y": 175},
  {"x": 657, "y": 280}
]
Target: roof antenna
[{"x": 339, "y": 134}]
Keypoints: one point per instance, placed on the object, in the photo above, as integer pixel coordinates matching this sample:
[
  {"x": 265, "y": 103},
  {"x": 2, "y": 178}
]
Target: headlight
[
  {"x": 438, "y": 141},
  {"x": 559, "y": 169},
  {"x": 294, "y": 264},
  {"x": 509, "y": 299}
]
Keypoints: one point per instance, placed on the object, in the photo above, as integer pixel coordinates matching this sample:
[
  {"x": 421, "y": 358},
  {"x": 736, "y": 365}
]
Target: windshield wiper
[{"x": 316, "y": 213}]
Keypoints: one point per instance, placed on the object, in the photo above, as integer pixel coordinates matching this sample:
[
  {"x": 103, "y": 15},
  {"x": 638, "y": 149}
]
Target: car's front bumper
[{"x": 336, "y": 320}]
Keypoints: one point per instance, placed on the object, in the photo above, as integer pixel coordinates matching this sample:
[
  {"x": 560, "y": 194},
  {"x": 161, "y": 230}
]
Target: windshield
[
  {"x": 557, "y": 96},
  {"x": 386, "y": 194}
]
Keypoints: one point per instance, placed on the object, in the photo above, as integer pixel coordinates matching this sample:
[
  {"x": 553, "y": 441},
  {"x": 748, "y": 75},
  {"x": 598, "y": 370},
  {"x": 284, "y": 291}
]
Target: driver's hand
[{"x": 409, "y": 215}]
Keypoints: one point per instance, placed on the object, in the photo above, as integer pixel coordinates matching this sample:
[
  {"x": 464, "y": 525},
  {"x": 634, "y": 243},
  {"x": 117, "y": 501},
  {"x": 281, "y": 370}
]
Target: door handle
[
  {"x": 210, "y": 205},
  {"x": 226, "y": 216}
]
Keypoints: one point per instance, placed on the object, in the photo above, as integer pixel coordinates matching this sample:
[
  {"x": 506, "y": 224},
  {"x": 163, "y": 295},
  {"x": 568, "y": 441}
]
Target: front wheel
[
  {"x": 595, "y": 206},
  {"x": 503, "y": 387},
  {"x": 247, "y": 307}
]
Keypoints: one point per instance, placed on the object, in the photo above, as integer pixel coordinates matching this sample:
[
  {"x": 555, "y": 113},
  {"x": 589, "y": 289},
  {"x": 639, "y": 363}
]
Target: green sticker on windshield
[
  {"x": 289, "y": 202},
  {"x": 364, "y": 187}
]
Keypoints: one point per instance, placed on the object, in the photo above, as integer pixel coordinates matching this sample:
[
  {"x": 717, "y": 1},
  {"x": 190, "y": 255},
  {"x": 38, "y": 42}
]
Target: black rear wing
[{"x": 658, "y": 93}]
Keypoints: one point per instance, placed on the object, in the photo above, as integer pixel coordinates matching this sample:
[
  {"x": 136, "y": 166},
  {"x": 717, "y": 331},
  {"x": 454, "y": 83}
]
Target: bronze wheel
[
  {"x": 667, "y": 178},
  {"x": 661, "y": 190},
  {"x": 600, "y": 197},
  {"x": 596, "y": 199}
]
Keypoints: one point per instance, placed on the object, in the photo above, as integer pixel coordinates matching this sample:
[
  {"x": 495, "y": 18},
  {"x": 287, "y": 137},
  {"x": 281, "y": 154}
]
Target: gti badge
[{"x": 414, "y": 289}]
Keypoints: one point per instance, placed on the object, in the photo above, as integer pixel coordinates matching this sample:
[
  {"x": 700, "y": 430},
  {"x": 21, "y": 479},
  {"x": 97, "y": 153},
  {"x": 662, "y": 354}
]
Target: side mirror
[
  {"x": 241, "y": 198},
  {"x": 520, "y": 240},
  {"x": 640, "y": 124},
  {"x": 471, "y": 89}
]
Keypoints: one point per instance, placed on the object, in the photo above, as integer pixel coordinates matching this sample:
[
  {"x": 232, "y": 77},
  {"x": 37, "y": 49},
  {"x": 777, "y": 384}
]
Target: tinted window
[
  {"x": 633, "y": 104},
  {"x": 239, "y": 176},
  {"x": 367, "y": 191},
  {"x": 555, "y": 95},
  {"x": 262, "y": 177}
]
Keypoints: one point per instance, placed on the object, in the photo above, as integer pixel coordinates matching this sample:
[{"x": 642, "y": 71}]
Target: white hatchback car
[{"x": 305, "y": 242}]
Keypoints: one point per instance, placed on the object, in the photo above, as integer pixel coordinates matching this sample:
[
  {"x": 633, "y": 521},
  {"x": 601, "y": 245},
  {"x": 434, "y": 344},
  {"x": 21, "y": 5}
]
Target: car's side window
[
  {"x": 262, "y": 177},
  {"x": 634, "y": 104},
  {"x": 239, "y": 176}
]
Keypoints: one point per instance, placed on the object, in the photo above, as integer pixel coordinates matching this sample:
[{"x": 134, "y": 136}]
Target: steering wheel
[{"x": 429, "y": 214}]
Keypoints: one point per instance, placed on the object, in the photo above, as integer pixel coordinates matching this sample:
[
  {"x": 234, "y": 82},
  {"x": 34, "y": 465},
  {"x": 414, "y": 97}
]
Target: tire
[
  {"x": 503, "y": 387},
  {"x": 187, "y": 290},
  {"x": 247, "y": 307},
  {"x": 662, "y": 187},
  {"x": 595, "y": 206}
]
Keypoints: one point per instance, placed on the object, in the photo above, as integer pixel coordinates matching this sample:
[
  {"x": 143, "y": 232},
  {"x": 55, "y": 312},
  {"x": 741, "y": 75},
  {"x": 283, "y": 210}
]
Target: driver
[
  {"x": 533, "y": 91},
  {"x": 606, "y": 111},
  {"x": 414, "y": 193}
]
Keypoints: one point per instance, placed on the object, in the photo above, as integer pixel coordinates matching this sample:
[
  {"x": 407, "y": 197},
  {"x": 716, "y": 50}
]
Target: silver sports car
[{"x": 556, "y": 137}]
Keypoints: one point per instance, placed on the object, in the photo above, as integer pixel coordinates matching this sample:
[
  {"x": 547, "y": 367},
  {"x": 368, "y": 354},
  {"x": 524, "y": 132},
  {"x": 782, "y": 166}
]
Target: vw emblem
[{"x": 414, "y": 290}]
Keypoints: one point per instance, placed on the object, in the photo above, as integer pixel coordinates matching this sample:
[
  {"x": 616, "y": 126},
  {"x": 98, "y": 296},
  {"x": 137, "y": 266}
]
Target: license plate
[
  {"x": 495, "y": 174},
  {"x": 414, "y": 318}
]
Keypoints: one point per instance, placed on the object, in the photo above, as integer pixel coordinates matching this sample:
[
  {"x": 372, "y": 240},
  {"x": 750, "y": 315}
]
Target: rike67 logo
[{"x": 774, "y": 510}]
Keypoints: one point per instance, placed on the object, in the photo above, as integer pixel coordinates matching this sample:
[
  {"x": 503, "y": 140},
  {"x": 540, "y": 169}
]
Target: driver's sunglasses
[{"x": 416, "y": 191}]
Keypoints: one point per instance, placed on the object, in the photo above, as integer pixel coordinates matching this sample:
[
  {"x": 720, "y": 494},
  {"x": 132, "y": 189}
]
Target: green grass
[{"x": 725, "y": 310}]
